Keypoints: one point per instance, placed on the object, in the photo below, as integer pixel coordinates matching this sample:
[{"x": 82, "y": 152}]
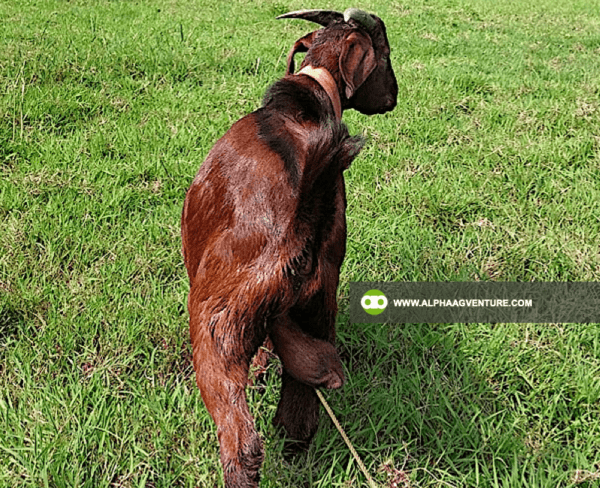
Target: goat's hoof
[
  {"x": 333, "y": 380},
  {"x": 291, "y": 448},
  {"x": 333, "y": 373}
]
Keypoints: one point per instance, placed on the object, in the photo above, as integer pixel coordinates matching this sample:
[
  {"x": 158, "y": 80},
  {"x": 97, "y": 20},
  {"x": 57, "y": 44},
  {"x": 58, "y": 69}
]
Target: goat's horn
[
  {"x": 363, "y": 18},
  {"x": 322, "y": 17}
]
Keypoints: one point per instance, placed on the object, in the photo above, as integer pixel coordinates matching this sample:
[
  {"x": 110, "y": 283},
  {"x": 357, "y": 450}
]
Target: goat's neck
[{"x": 325, "y": 79}]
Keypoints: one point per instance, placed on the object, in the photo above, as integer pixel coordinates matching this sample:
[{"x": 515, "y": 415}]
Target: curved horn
[
  {"x": 321, "y": 17},
  {"x": 363, "y": 18}
]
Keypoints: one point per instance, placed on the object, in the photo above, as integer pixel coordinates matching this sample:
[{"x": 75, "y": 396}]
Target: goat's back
[{"x": 268, "y": 187}]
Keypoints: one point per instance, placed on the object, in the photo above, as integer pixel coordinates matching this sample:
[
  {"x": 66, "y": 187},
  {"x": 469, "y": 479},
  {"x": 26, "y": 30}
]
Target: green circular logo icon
[{"x": 374, "y": 302}]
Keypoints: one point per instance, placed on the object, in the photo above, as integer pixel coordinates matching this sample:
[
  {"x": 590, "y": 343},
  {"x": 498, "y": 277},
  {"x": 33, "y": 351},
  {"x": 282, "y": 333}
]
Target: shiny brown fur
[{"x": 264, "y": 236}]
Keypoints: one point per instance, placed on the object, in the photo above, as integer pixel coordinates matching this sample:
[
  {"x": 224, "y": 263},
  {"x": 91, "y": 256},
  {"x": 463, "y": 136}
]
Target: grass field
[{"x": 488, "y": 169}]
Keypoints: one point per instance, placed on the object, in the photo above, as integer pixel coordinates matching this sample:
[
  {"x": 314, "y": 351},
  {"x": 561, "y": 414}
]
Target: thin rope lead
[{"x": 345, "y": 437}]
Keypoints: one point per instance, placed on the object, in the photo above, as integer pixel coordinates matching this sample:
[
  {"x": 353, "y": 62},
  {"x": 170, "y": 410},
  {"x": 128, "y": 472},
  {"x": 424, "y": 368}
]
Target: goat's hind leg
[{"x": 222, "y": 379}]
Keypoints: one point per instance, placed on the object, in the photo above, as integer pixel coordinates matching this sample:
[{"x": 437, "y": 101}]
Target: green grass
[{"x": 488, "y": 169}]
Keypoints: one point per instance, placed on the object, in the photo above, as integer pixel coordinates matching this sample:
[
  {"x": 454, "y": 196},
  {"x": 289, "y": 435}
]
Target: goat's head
[{"x": 354, "y": 48}]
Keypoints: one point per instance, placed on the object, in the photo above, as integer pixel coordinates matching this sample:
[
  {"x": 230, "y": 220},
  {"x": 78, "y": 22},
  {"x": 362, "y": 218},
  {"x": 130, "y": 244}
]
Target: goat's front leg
[
  {"x": 222, "y": 375},
  {"x": 297, "y": 413},
  {"x": 311, "y": 361},
  {"x": 308, "y": 362}
]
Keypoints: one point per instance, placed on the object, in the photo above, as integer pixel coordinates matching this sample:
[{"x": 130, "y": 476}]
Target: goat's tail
[{"x": 331, "y": 150}]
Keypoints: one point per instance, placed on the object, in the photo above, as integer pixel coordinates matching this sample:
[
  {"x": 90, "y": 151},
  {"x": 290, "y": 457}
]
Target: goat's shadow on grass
[{"x": 420, "y": 409}]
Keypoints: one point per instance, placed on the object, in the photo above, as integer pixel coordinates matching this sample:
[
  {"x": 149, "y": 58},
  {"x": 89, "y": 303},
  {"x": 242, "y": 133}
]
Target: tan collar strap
[{"x": 324, "y": 78}]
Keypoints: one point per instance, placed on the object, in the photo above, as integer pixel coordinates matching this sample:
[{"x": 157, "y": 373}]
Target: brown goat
[{"x": 264, "y": 234}]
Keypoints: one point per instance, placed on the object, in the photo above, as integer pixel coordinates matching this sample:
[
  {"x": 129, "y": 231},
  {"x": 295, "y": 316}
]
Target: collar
[{"x": 324, "y": 78}]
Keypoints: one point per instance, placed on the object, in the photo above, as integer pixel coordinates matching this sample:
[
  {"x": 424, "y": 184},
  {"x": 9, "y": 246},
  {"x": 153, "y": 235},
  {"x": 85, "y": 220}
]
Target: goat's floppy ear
[
  {"x": 357, "y": 61},
  {"x": 302, "y": 45}
]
